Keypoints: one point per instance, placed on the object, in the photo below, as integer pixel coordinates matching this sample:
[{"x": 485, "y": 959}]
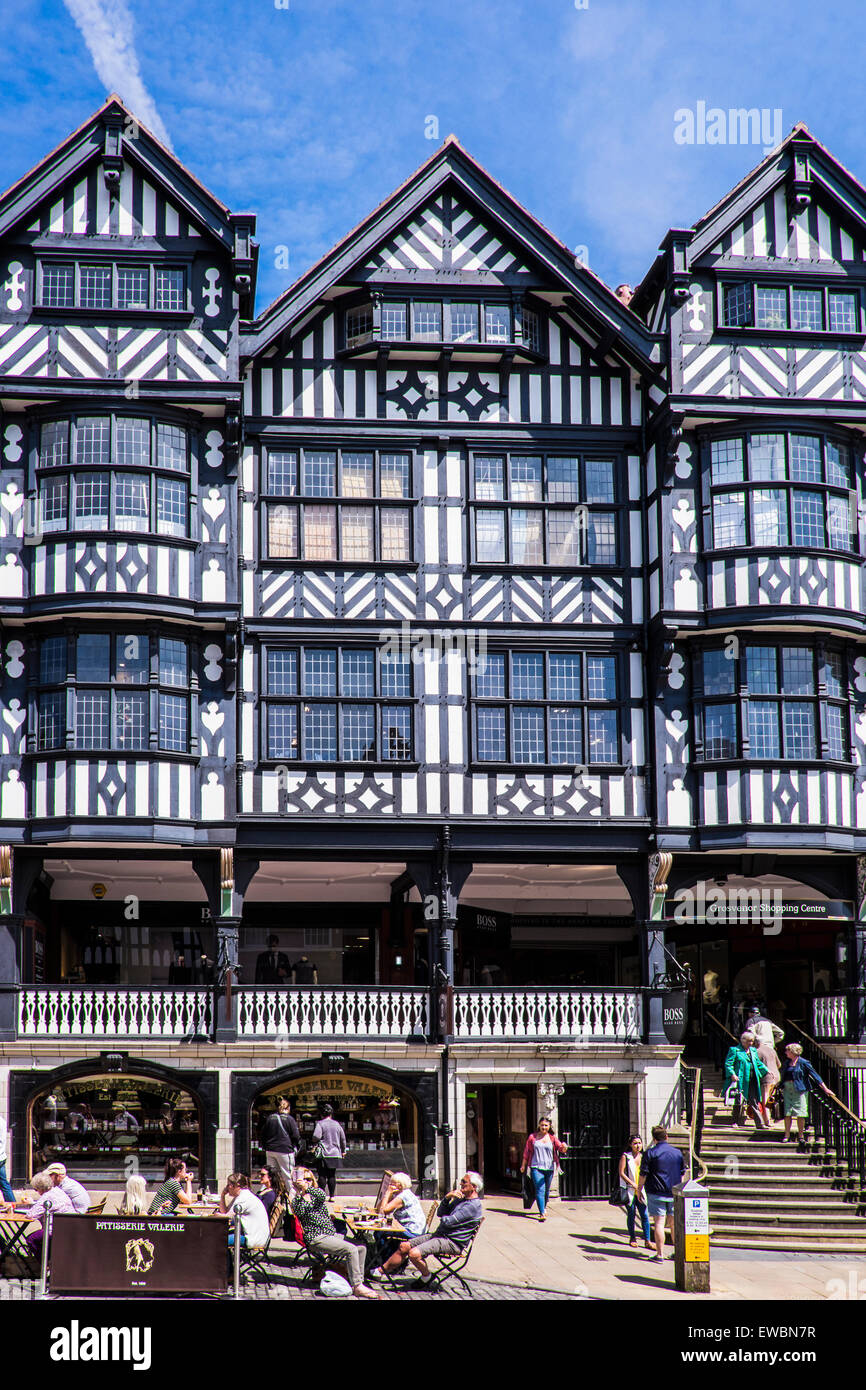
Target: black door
[{"x": 593, "y": 1121}]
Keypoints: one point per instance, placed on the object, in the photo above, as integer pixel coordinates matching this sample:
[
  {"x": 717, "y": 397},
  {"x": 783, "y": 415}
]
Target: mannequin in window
[
  {"x": 272, "y": 966},
  {"x": 305, "y": 972}
]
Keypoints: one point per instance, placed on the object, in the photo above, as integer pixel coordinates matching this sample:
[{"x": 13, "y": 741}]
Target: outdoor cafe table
[
  {"x": 369, "y": 1229},
  {"x": 12, "y": 1242}
]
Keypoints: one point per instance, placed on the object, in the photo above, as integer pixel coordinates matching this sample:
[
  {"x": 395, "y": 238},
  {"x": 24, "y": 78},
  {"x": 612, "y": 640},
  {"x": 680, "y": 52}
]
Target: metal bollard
[{"x": 692, "y": 1238}]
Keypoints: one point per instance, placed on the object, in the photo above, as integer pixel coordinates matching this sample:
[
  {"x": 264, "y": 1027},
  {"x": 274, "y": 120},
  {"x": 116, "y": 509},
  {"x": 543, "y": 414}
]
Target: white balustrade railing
[
  {"x": 317, "y": 1011},
  {"x": 80, "y": 1011},
  {"x": 830, "y": 1016},
  {"x": 587, "y": 1015}
]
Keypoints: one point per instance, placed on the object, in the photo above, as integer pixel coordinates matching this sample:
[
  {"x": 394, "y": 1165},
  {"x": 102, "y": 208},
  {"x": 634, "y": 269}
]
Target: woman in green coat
[{"x": 744, "y": 1068}]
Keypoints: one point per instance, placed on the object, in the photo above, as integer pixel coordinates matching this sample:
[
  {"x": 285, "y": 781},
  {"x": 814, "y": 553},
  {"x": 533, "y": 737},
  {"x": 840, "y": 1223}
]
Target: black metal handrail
[
  {"x": 692, "y": 1106},
  {"x": 844, "y": 1137},
  {"x": 841, "y": 1080},
  {"x": 720, "y": 1041}
]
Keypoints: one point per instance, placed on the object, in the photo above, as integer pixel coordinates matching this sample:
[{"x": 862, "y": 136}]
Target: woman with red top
[{"x": 541, "y": 1159}]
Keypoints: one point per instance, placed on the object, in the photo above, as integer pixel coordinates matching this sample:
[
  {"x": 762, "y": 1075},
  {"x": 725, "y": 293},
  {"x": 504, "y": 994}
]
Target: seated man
[
  {"x": 460, "y": 1215},
  {"x": 78, "y": 1195},
  {"x": 48, "y": 1198},
  {"x": 237, "y": 1197}
]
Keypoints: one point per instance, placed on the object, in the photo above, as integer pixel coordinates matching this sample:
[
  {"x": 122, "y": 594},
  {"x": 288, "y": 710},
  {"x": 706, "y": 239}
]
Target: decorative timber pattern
[
  {"x": 769, "y": 232},
  {"x": 79, "y": 787},
  {"x": 100, "y": 567},
  {"x": 307, "y": 381},
  {"x": 446, "y": 236}
]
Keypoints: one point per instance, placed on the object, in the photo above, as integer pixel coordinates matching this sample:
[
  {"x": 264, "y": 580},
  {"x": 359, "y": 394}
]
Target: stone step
[
  {"x": 804, "y": 1245},
  {"x": 766, "y": 1187},
  {"x": 797, "y": 1220},
  {"x": 817, "y": 1206},
  {"x": 749, "y": 1163}
]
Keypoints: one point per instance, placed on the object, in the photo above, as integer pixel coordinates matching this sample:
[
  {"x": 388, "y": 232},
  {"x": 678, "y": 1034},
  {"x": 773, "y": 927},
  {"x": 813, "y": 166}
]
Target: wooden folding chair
[
  {"x": 451, "y": 1266},
  {"x": 254, "y": 1260}
]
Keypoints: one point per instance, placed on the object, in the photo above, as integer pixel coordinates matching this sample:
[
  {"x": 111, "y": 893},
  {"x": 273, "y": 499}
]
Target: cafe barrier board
[{"x": 138, "y": 1254}]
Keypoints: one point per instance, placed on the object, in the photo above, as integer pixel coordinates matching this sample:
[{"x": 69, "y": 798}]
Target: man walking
[{"x": 662, "y": 1169}]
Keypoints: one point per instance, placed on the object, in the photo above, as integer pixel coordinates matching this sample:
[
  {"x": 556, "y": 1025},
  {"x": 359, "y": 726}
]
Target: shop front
[
  {"x": 745, "y": 951},
  {"x": 500, "y": 948},
  {"x": 111, "y": 1117},
  {"x": 388, "y": 1117}
]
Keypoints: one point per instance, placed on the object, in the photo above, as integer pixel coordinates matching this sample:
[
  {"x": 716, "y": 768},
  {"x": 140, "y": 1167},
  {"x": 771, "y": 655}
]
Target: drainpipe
[{"x": 444, "y": 1125}]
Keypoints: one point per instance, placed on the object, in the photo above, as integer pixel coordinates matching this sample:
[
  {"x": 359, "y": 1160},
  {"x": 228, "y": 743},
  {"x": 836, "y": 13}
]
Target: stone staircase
[{"x": 766, "y": 1195}]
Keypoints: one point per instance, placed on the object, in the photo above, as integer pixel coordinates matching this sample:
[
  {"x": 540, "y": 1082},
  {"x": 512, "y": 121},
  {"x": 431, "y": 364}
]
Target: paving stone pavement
[{"x": 579, "y": 1254}]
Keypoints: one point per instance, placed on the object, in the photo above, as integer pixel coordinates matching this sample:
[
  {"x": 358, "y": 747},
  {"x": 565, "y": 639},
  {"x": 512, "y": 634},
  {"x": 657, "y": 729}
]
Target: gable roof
[
  {"x": 451, "y": 166},
  {"x": 831, "y": 180},
  {"x": 90, "y": 143}
]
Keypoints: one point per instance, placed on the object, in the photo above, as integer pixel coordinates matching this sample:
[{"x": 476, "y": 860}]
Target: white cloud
[{"x": 108, "y": 29}]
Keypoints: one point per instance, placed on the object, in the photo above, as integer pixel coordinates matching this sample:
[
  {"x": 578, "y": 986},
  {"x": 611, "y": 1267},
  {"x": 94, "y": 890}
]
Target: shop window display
[
  {"x": 381, "y": 1127},
  {"x": 96, "y": 1124}
]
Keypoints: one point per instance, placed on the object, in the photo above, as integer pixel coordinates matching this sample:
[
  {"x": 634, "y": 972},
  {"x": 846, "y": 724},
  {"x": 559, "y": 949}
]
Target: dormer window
[
  {"x": 427, "y": 321},
  {"x": 796, "y": 308},
  {"x": 81, "y": 285},
  {"x": 359, "y": 325},
  {"x": 457, "y": 321}
]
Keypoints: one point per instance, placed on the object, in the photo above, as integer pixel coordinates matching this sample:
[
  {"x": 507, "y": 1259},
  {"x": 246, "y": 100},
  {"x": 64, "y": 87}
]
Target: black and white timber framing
[{"x": 574, "y": 373}]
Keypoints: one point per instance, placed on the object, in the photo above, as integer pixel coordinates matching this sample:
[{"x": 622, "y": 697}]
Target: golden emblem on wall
[{"x": 139, "y": 1256}]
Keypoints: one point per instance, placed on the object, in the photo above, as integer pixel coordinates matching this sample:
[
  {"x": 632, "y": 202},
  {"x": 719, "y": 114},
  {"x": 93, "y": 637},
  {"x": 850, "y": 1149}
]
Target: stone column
[
  {"x": 653, "y": 960},
  {"x": 548, "y": 1109},
  {"x": 225, "y": 1139}
]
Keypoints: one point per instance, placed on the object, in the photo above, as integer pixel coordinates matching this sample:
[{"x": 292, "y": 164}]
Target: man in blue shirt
[{"x": 661, "y": 1171}]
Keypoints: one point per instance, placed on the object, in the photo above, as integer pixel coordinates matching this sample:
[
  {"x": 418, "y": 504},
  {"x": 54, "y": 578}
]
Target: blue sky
[{"x": 310, "y": 115}]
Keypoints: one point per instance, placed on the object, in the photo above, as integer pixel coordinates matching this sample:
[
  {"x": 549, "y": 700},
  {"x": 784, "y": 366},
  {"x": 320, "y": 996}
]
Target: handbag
[
  {"x": 616, "y": 1199},
  {"x": 528, "y": 1189}
]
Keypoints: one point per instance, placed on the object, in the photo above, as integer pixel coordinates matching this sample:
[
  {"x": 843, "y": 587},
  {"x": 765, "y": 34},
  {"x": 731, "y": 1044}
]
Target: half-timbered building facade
[{"x": 435, "y": 621}]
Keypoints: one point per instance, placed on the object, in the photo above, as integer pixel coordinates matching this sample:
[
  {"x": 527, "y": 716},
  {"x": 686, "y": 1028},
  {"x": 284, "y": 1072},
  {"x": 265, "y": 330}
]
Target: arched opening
[
  {"x": 105, "y": 1125},
  {"x": 386, "y": 1122}
]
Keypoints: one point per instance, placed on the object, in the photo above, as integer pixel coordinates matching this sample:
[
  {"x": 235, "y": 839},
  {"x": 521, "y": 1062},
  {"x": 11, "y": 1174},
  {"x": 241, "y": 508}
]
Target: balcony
[
  {"x": 839, "y": 1017},
  {"x": 337, "y": 1012},
  {"x": 106, "y": 1011},
  {"x": 579, "y": 1015}
]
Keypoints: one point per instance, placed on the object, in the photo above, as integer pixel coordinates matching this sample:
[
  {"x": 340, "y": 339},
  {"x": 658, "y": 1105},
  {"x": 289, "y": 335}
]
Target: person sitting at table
[
  {"x": 275, "y": 1195},
  {"x": 78, "y": 1195},
  {"x": 174, "y": 1191},
  {"x": 134, "y": 1198},
  {"x": 460, "y": 1215},
  {"x": 237, "y": 1199},
  {"x": 48, "y": 1198},
  {"x": 310, "y": 1206},
  {"x": 403, "y": 1206},
  {"x": 268, "y": 1189}
]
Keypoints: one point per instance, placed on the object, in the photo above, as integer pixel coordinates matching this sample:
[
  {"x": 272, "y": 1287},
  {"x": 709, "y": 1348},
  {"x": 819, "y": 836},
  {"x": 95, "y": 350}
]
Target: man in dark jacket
[
  {"x": 280, "y": 1138},
  {"x": 460, "y": 1214},
  {"x": 662, "y": 1169},
  {"x": 272, "y": 966}
]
